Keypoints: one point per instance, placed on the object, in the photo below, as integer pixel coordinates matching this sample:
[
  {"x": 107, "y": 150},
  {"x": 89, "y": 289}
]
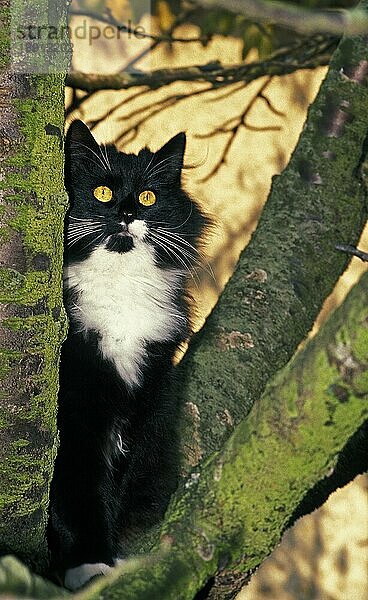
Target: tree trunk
[
  {"x": 291, "y": 264},
  {"x": 33, "y": 322}
]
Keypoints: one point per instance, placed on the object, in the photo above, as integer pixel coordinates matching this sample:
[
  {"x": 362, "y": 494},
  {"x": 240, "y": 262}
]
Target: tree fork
[
  {"x": 266, "y": 310},
  {"x": 233, "y": 512}
]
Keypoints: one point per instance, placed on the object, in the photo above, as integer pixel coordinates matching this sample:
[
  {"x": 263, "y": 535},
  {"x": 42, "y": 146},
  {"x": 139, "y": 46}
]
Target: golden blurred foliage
[
  {"x": 120, "y": 9},
  {"x": 323, "y": 557},
  {"x": 165, "y": 16}
]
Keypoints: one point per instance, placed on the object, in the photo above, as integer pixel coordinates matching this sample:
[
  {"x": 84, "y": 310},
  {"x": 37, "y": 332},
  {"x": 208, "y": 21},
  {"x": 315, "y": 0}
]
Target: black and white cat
[{"x": 131, "y": 239}]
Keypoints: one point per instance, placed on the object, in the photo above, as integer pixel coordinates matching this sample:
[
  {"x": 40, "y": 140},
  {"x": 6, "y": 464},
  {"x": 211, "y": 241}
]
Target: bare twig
[
  {"x": 304, "y": 20},
  {"x": 129, "y": 30},
  {"x": 156, "y": 108},
  {"x": 353, "y": 250},
  {"x": 234, "y": 124},
  {"x": 181, "y": 18}
]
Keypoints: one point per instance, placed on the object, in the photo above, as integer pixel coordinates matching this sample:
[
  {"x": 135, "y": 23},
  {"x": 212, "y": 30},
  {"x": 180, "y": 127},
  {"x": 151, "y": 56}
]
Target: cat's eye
[
  {"x": 147, "y": 198},
  {"x": 102, "y": 193}
]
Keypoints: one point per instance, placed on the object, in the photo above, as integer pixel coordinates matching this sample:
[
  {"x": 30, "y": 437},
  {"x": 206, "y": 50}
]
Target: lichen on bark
[
  {"x": 33, "y": 323},
  {"x": 291, "y": 264}
]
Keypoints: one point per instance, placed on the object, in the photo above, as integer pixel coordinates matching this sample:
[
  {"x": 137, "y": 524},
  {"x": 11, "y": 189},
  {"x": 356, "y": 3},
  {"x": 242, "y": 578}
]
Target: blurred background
[{"x": 239, "y": 137}]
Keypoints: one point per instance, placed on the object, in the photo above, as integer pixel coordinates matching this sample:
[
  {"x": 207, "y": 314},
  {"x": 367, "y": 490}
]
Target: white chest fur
[{"x": 128, "y": 300}]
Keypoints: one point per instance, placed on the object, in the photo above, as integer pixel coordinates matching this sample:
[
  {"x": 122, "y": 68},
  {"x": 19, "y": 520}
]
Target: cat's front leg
[{"x": 84, "y": 499}]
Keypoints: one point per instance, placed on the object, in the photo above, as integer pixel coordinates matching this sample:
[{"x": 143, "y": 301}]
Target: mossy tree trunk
[
  {"x": 290, "y": 265},
  {"x": 32, "y": 318}
]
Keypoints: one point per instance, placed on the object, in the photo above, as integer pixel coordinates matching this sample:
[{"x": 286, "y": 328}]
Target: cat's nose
[{"x": 127, "y": 217}]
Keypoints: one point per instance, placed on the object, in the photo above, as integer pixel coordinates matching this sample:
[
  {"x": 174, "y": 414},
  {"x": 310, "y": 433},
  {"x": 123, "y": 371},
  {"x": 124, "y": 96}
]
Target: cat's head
[{"x": 118, "y": 200}]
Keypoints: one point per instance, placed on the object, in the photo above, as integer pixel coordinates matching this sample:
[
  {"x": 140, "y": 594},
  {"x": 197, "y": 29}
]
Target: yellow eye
[
  {"x": 147, "y": 198},
  {"x": 102, "y": 193}
]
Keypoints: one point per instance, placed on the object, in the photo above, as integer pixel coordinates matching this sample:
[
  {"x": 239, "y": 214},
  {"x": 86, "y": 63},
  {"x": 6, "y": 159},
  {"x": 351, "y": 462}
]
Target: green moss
[
  {"x": 34, "y": 193},
  {"x": 4, "y": 36},
  {"x": 8, "y": 357},
  {"x": 361, "y": 342},
  {"x": 25, "y": 289}
]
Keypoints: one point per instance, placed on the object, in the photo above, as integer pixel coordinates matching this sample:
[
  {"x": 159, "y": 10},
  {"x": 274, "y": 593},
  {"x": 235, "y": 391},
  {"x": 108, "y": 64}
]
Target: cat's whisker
[
  {"x": 156, "y": 172},
  {"x": 167, "y": 247},
  {"x": 168, "y": 223},
  {"x": 175, "y": 238},
  {"x": 95, "y": 240},
  {"x": 81, "y": 228},
  {"x": 76, "y": 237},
  {"x": 153, "y": 170},
  {"x": 156, "y": 223},
  {"x": 149, "y": 164},
  {"x": 72, "y": 233},
  {"x": 103, "y": 162},
  {"x": 176, "y": 252},
  {"x": 186, "y": 220},
  {"x": 204, "y": 263},
  {"x": 91, "y": 160},
  {"x": 103, "y": 147},
  {"x": 79, "y": 224},
  {"x": 84, "y": 220},
  {"x": 152, "y": 285},
  {"x": 185, "y": 255}
]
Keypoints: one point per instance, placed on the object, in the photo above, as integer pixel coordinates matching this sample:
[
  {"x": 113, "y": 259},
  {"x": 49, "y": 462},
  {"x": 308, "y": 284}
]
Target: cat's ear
[
  {"x": 78, "y": 134},
  {"x": 174, "y": 149}
]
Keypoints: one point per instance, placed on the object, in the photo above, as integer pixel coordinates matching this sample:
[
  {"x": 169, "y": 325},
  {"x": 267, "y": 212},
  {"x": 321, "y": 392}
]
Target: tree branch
[
  {"x": 129, "y": 30},
  {"x": 308, "y": 54},
  {"x": 290, "y": 265},
  {"x": 304, "y": 20},
  {"x": 234, "y": 124},
  {"x": 233, "y": 512}
]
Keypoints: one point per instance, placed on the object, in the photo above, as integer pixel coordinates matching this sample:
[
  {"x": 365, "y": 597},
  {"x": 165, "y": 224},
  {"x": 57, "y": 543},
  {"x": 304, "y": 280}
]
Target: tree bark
[
  {"x": 291, "y": 264},
  {"x": 233, "y": 509},
  {"x": 282, "y": 62},
  {"x": 33, "y": 322}
]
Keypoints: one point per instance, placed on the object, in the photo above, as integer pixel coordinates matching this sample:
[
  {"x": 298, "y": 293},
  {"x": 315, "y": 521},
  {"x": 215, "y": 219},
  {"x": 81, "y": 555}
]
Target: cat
[{"x": 132, "y": 236}]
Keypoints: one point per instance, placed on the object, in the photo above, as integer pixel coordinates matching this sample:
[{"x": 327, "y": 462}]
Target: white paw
[{"x": 79, "y": 576}]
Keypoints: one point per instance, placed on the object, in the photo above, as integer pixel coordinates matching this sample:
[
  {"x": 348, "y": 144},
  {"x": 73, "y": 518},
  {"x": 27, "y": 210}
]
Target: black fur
[{"x": 99, "y": 493}]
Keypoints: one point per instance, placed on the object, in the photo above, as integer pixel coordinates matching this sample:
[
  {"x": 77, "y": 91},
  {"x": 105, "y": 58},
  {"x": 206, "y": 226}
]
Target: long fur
[{"x": 125, "y": 276}]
